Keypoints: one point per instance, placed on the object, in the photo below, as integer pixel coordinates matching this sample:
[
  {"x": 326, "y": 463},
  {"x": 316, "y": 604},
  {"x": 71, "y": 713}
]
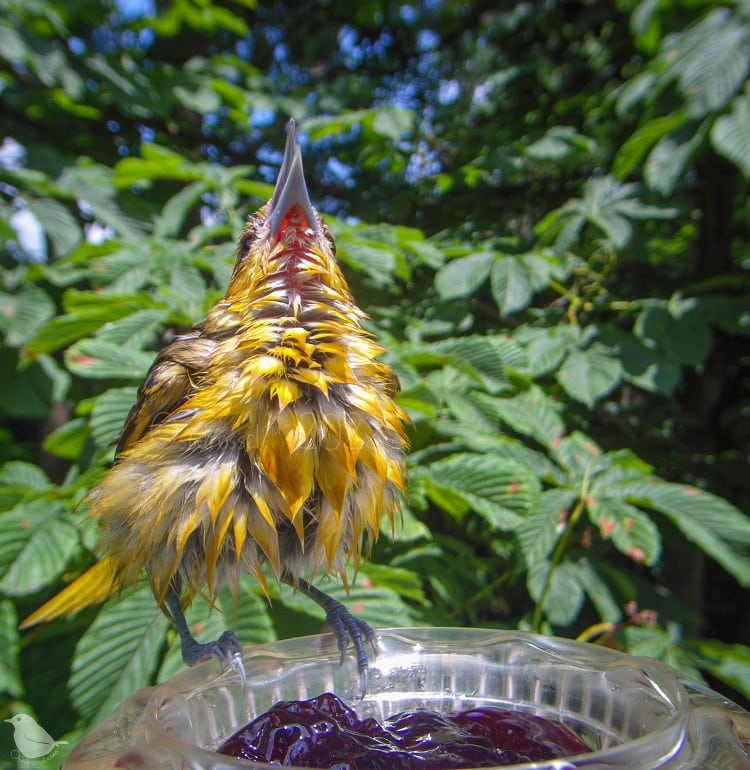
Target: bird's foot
[
  {"x": 226, "y": 648},
  {"x": 345, "y": 628},
  {"x": 348, "y": 628}
]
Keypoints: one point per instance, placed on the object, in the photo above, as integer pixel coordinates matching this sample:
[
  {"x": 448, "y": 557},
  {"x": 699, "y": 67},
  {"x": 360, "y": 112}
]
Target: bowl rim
[{"x": 421, "y": 639}]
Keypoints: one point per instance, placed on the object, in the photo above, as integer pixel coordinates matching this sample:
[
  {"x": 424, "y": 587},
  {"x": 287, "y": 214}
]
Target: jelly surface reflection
[{"x": 324, "y": 732}]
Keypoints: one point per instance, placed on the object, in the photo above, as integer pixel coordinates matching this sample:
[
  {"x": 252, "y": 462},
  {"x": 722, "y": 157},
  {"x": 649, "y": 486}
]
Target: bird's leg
[
  {"x": 226, "y": 648},
  {"x": 344, "y": 625}
]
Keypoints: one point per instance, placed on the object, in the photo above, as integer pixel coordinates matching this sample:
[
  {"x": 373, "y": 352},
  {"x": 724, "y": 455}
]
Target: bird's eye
[{"x": 330, "y": 239}]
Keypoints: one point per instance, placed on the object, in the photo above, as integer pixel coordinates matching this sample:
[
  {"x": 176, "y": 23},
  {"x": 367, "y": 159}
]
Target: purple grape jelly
[{"x": 324, "y": 732}]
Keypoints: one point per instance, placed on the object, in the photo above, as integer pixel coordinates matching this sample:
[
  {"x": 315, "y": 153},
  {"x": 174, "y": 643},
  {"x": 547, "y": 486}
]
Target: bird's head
[
  {"x": 286, "y": 241},
  {"x": 20, "y": 719}
]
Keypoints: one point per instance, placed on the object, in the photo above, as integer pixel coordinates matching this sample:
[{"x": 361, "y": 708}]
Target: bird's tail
[{"x": 94, "y": 586}]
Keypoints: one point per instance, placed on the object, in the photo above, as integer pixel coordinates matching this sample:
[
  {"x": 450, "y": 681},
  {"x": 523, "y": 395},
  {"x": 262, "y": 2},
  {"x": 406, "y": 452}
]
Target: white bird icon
[{"x": 31, "y": 740}]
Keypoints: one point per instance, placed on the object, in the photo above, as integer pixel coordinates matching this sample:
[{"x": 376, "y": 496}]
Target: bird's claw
[
  {"x": 347, "y": 628},
  {"x": 226, "y": 648}
]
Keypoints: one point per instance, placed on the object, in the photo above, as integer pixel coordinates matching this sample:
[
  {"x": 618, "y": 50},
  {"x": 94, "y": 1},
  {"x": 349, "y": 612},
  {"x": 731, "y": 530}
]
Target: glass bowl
[{"x": 633, "y": 712}]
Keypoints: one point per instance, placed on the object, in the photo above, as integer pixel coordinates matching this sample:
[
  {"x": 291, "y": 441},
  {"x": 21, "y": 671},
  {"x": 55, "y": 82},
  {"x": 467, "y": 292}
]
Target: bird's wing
[
  {"x": 171, "y": 380},
  {"x": 36, "y": 734},
  {"x": 92, "y": 587}
]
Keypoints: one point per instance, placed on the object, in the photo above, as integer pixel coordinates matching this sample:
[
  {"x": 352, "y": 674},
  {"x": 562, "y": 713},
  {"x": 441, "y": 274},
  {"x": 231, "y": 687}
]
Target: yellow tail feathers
[{"x": 94, "y": 586}]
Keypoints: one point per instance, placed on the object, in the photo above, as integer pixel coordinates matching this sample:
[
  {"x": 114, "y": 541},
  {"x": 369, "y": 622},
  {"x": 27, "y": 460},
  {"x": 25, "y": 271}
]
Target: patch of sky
[
  {"x": 29, "y": 234},
  {"x": 269, "y": 161},
  {"x": 422, "y": 164},
  {"x": 77, "y": 46},
  {"x": 427, "y": 40},
  {"x": 131, "y": 10},
  {"x": 449, "y": 91},
  {"x": 338, "y": 173},
  {"x": 12, "y": 153},
  {"x": 147, "y": 133},
  {"x": 244, "y": 49},
  {"x": 97, "y": 233},
  {"x": 260, "y": 117},
  {"x": 408, "y": 13}
]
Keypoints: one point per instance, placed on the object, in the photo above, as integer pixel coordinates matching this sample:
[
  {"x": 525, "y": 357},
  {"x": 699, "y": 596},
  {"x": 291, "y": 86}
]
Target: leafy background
[{"x": 544, "y": 210}]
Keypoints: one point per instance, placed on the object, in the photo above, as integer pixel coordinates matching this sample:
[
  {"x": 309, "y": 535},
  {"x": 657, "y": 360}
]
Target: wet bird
[
  {"x": 268, "y": 435},
  {"x": 31, "y": 739}
]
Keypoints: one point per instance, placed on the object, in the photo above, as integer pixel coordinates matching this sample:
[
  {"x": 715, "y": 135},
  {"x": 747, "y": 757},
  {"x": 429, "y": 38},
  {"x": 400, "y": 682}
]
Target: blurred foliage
[{"x": 544, "y": 210}]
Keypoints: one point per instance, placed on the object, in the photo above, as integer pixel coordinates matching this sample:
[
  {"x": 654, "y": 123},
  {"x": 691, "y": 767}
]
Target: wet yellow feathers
[{"x": 267, "y": 434}]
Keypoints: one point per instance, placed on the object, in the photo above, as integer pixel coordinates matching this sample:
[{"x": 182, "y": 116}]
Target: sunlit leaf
[
  {"x": 558, "y": 588},
  {"x": 731, "y": 134},
  {"x": 632, "y": 532},
  {"x": 463, "y": 276},
  {"x": 588, "y": 375},
  {"x": 714, "y": 525},
  {"x": 118, "y": 653},
  {"x": 511, "y": 284},
  {"x": 36, "y": 541}
]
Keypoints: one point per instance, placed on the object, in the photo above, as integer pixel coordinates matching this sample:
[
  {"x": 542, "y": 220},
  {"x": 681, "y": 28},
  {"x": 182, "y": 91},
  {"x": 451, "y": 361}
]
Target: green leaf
[
  {"x": 531, "y": 413},
  {"x": 558, "y": 143},
  {"x": 730, "y": 135},
  {"x": 203, "y": 100},
  {"x": 135, "y": 330},
  {"x": 501, "y": 491},
  {"x": 64, "y": 329},
  {"x": 23, "y": 313},
  {"x": 598, "y": 592},
  {"x": 710, "y": 61},
  {"x": 393, "y": 122},
  {"x": 588, "y": 375},
  {"x": 511, "y": 284},
  {"x": 643, "y": 364},
  {"x": 714, "y": 525},
  {"x": 545, "y": 265},
  {"x": 681, "y": 331},
  {"x": 407, "y": 528},
  {"x": 377, "y": 259},
  {"x": 648, "y": 642},
  {"x": 666, "y": 162},
  {"x": 558, "y": 588},
  {"x": 634, "y": 92},
  {"x": 729, "y": 663},
  {"x": 462, "y": 277},
  {"x": 175, "y": 211},
  {"x": 10, "y": 672},
  {"x": 97, "y": 359},
  {"x": 488, "y": 356},
  {"x": 632, "y": 532},
  {"x": 378, "y": 605},
  {"x": 643, "y": 140},
  {"x": 109, "y": 414},
  {"x": 404, "y": 582},
  {"x": 578, "y": 454},
  {"x": 68, "y": 440},
  {"x": 94, "y": 184},
  {"x": 538, "y": 534},
  {"x": 545, "y": 348},
  {"x": 59, "y": 224},
  {"x": 36, "y": 541},
  {"x": 21, "y": 474},
  {"x": 187, "y": 283},
  {"x": 118, "y": 653},
  {"x": 250, "y": 616}
]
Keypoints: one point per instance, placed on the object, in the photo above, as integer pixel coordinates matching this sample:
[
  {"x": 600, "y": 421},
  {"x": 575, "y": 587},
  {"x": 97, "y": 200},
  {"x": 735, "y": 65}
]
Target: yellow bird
[{"x": 268, "y": 434}]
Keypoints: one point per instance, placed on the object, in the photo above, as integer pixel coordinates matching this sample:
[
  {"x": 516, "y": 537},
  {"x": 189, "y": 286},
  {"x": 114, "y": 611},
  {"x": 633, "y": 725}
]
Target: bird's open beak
[{"x": 291, "y": 189}]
